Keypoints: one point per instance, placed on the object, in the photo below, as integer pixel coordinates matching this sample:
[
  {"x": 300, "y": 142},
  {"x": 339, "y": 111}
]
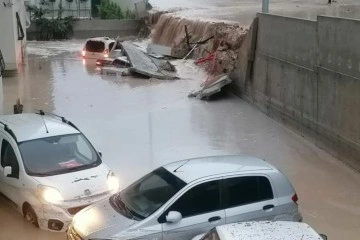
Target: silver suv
[{"x": 185, "y": 198}]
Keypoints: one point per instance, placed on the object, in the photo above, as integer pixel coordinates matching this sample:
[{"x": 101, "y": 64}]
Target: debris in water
[
  {"x": 159, "y": 50},
  {"x": 211, "y": 87},
  {"x": 223, "y": 40},
  {"x": 143, "y": 64},
  {"x": 18, "y": 107},
  {"x": 114, "y": 71}
]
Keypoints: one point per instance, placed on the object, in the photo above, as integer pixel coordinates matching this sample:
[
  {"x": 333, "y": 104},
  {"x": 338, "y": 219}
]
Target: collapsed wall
[{"x": 218, "y": 42}]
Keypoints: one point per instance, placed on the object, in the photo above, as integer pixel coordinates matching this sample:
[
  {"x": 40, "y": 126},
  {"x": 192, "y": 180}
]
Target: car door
[
  {"x": 200, "y": 208},
  {"x": 248, "y": 198},
  {"x": 10, "y": 184}
]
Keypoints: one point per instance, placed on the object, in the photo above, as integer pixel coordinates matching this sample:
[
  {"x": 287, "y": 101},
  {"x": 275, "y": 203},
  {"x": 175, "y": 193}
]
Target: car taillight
[
  {"x": 106, "y": 53},
  {"x": 83, "y": 53},
  {"x": 295, "y": 198}
]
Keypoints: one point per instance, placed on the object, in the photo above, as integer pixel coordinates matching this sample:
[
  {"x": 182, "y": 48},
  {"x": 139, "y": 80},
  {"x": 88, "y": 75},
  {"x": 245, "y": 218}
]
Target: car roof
[
  {"x": 29, "y": 126},
  {"x": 267, "y": 231},
  {"x": 101, "y": 39},
  {"x": 193, "y": 169}
]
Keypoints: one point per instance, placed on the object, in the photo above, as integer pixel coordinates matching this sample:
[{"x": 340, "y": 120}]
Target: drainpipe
[{"x": 265, "y": 6}]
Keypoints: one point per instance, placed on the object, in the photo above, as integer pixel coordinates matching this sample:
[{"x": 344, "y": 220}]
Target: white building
[
  {"x": 12, "y": 32},
  {"x": 74, "y": 8}
]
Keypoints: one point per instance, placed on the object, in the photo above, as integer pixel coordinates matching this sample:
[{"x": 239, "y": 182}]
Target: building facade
[
  {"x": 74, "y": 8},
  {"x": 13, "y": 32}
]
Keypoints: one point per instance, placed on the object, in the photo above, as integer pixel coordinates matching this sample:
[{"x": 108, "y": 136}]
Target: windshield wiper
[{"x": 120, "y": 206}]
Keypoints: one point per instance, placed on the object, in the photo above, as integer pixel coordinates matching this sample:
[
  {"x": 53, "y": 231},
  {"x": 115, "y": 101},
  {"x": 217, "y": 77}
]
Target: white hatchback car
[
  {"x": 279, "y": 230},
  {"x": 185, "y": 198},
  {"x": 98, "y": 47},
  {"x": 49, "y": 170}
]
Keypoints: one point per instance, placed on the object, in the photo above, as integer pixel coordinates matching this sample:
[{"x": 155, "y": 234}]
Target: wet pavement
[
  {"x": 141, "y": 124},
  {"x": 243, "y": 11}
]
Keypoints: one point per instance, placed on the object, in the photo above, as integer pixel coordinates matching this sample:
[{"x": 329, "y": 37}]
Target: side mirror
[
  {"x": 173, "y": 217},
  {"x": 323, "y": 236},
  {"x": 7, "y": 171},
  {"x": 100, "y": 153}
]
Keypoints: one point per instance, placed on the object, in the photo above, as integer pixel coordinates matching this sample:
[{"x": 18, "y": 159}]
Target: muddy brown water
[{"x": 142, "y": 124}]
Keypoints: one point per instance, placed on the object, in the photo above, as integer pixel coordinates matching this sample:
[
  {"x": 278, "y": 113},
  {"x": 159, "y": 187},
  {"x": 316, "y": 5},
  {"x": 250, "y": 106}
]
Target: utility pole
[{"x": 265, "y": 6}]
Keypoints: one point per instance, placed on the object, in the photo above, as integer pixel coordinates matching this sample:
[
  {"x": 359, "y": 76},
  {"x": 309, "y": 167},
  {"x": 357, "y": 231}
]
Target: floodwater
[
  {"x": 141, "y": 124},
  {"x": 243, "y": 11}
]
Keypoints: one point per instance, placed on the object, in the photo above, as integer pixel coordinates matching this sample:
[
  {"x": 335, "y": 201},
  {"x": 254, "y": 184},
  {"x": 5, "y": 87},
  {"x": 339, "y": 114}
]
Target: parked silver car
[
  {"x": 262, "y": 231},
  {"x": 185, "y": 198}
]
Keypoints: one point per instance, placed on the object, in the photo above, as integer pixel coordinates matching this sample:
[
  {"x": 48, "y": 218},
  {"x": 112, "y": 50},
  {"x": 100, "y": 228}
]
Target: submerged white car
[
  {"x": 185, "y": 198},
  {"x": 262, "y": 231},
  {"x": 98, "y": 47},
  {"x": 49, "y": 171}
]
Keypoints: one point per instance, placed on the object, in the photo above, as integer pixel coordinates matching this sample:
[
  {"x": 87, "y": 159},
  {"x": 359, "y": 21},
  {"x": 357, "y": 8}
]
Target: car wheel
[{"x": 30, "y": 215}]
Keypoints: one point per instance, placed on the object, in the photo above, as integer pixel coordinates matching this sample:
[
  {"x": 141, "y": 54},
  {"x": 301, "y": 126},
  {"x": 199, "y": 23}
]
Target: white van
[
  {"x": 49, "y": 171},
  {"x": 98, "y": 47}
]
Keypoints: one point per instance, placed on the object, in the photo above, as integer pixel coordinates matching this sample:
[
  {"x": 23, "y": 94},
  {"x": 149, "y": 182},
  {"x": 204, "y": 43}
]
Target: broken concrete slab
[
  {"x": 114, "y": 71},
  {"x": 143, "y": 64},
  {"x": 158, "y": 49},
  {"x": 161, "y": 50},
  {"x": 212, "y": 88},
  {"x": 164, "y": 64}
]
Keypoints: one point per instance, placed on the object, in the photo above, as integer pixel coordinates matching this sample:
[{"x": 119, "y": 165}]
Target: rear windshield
[
  {"x": 58, "y": 155},
  {"x": 95, "y": 46}
]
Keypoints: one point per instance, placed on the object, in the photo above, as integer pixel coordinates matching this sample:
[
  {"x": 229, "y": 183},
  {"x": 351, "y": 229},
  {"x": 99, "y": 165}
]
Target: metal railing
[{"x": 75, "y": 13}]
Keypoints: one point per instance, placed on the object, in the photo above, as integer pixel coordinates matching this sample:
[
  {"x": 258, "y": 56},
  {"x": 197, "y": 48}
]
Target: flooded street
[
  {"x": 243, "y": 11},
  {"x": 141, "y": 124}
]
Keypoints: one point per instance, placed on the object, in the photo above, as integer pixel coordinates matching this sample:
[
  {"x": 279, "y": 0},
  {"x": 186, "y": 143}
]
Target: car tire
[{"x": 30, "y": 215}]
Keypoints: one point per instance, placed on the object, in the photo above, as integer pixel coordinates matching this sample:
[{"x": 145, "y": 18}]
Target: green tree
[{"x": 111, "y": 10}]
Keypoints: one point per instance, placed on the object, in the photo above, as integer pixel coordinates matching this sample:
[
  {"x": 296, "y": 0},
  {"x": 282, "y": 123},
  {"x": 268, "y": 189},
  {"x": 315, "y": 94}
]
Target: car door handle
[
  {"x": 268, "y": 207},
  {"x": 214, "y": 219}
]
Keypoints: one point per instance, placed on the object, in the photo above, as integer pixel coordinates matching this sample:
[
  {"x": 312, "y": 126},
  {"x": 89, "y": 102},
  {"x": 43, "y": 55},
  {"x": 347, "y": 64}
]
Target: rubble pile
[
  {"x": 214, "y": 46},
  {"x": 202, "y": 39}
]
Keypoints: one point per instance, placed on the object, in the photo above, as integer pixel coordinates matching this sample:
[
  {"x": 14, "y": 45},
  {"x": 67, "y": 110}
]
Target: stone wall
[
  {"x": 97, "y": 28},
  {"x": 306, "y": 74}
]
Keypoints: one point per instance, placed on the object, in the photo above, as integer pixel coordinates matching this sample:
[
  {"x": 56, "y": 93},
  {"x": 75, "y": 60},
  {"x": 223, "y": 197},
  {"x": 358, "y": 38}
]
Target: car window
[
  {"x": 111, "y": 46},
  {"x": 244, "y": 190},
  {"x": 95, "y": 46},
  {"x": 58, "y": 155},
  {"x": 201, "y": 199},
  {"x": 8, "y": 158}
]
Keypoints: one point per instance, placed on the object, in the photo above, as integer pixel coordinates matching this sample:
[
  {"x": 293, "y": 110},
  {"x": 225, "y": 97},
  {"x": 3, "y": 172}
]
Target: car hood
[
  {"x": 79, "y": 185},
  {"x": 100, "y": 220}
]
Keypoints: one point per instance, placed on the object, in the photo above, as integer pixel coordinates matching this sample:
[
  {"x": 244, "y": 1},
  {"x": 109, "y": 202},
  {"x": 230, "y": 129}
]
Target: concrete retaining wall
[
  {"x": 94, "y": 28},
  {"x": 306, "y": 74}
]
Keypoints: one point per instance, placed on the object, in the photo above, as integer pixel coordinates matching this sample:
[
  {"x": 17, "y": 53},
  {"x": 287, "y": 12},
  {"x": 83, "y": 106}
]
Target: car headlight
[
  {"x": 112, "y": 182},
  {"x": 49, "y": 194}
]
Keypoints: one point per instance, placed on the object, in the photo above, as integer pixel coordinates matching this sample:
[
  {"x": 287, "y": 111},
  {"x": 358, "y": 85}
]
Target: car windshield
[
  {"x": 146, "y": 195},
  {"x": 58, "y": 155}
]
